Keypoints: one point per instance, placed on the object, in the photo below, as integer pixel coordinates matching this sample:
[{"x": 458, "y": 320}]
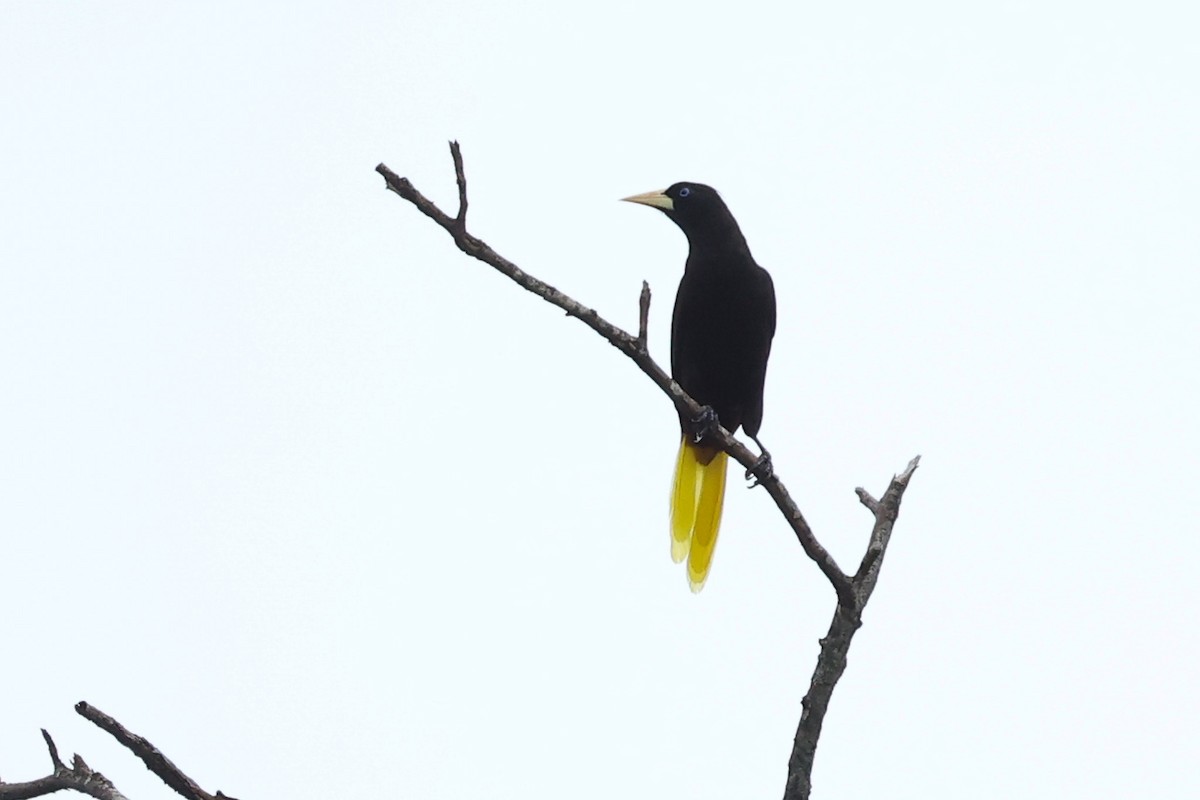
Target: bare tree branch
[
  {"x": 460, "y": 178},
  {"x": 852, "y": 592},
  {"x": 885, "y": 511},
  {"x": 644, "y": 318},
  {"x": 78, "y": 777},
  {"x": 631, "y": 346},
  {"x": 82, "y": 778},
  {"x": 831, "y": 662},
  {"x": 153, "y": 758},
  {"x": 54, "y": 759},
  {"x": 865, "y": 498}
]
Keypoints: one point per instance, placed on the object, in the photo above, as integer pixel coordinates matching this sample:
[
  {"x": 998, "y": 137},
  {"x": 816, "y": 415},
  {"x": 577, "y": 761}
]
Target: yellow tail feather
[
  {"x": 696, "y": 501},
  {"x": 683, "y": 501},
  {"x": 708, "y": 521}
]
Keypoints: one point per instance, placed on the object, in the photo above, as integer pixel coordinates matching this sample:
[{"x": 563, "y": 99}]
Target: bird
[{"x": 721, "y": 332}]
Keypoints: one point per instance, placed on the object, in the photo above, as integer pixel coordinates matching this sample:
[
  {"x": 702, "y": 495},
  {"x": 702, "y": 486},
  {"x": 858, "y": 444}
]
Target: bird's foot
[
  {"x": 705, "y": 424},
  {"x": 763, "y": 468},
  {"x": 760, "y": 470}
]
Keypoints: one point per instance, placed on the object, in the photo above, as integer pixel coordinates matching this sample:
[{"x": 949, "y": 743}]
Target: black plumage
[{"x": 721, "y": 334}]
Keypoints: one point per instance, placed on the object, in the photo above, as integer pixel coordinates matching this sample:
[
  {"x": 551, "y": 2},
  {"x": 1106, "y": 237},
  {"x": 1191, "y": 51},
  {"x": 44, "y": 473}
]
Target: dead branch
[
  {"x": 81, "y": 778},
  {"x": 78, "y": 777},
  {"x": 831, "y": 661},
  {"x": 853, "y": 592},
  {"x": 632, "y": 346}
]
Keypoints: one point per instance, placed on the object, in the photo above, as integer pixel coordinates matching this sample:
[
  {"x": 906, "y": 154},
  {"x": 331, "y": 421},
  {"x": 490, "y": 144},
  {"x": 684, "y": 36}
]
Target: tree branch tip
[
  {"x": 910, "y": 469},
  {"x": 460, "y": 178},
  {"x": 866, "y": 499},
  {"x": 643, "y": 316},
  {"x": 53, "y": 748}
]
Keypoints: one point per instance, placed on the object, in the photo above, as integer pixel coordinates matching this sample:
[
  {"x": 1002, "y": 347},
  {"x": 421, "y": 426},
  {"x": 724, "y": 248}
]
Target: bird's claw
[
  {"x": 704, "y": 424},
  {"x": 760, "y": 470}
]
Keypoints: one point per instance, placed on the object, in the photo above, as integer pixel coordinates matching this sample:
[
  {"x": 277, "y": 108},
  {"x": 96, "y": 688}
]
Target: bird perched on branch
[{"x": 720, "y": 341}]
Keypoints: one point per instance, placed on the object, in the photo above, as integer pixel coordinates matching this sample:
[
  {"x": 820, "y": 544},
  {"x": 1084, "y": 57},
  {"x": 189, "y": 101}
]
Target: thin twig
[
  {"x": 644, "y": 318},
  {"x": 460, "y": 177},
  {"x": 54, "y": 759},
  {"x": 865, "y": 498}
]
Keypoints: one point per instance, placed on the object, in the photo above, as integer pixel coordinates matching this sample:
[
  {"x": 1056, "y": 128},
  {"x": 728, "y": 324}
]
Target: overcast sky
[{"x": 321, "y": 506}]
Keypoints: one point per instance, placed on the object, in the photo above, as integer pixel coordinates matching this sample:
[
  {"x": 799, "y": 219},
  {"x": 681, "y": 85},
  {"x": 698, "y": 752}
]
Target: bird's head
[{"x": 697, "y": 209}]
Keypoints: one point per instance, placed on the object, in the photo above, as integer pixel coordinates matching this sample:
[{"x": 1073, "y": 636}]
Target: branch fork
[{"x": 81, "y": 778}]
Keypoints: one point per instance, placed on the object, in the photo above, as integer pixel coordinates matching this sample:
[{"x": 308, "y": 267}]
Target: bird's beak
[{"x": 656, "y": 199}]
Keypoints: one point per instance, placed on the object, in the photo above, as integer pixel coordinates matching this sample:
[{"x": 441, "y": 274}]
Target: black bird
[{"x": 720, "y": 341}]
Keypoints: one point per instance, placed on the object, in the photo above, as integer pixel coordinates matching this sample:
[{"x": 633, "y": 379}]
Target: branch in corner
[
  {"x": 81, "y": 778},
  {"x": 78, "y": 777}
]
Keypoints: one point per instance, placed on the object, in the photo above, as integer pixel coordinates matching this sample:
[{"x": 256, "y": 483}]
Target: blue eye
[{"x": 684, "y": 192}]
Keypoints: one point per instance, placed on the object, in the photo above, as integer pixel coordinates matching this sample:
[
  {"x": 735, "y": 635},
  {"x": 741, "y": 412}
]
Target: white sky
[{"x": 296, "y": 490}]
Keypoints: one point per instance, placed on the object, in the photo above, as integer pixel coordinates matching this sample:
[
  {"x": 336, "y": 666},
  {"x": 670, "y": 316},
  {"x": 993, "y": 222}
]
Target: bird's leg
[
  {"x": 761, "y": 469},
  {"x": 704, "y": 424}
]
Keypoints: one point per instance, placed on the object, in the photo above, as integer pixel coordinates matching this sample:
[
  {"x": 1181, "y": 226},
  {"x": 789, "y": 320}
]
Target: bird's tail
[{"x": 696, "y": 503}]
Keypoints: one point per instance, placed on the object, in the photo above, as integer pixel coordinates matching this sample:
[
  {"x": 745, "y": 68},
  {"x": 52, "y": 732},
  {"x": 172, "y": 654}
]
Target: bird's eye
[{"x": 684, "y": 192}]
